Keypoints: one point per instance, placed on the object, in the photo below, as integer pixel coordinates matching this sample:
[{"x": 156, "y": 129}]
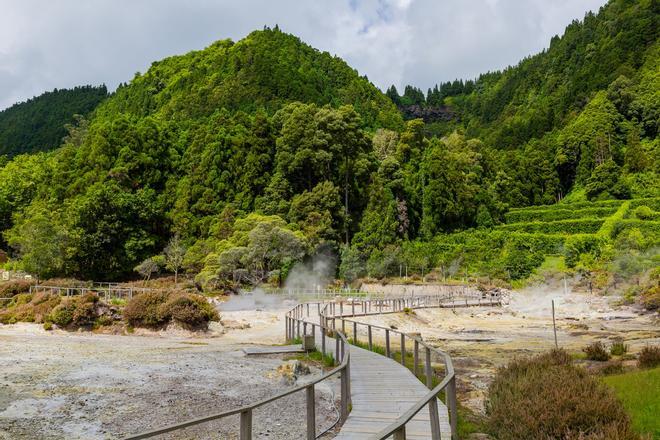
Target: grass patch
[
  {"x": 638, "y": 391},
  {"x": 316, "y": 357},
  {"x": 553, "y": 263}
]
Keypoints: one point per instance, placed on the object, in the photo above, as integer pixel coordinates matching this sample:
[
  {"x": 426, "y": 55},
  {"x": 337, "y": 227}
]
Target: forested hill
[
  {"x": 525, "y": 106},
  {"x": 38, "y": 124},
  {"x": 264, "y": 71},
  {"x": 265, "y": 152}
]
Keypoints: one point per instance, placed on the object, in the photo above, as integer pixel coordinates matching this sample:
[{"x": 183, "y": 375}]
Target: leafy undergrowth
[
  {"x": 548, "y": 397},
  {"x": 639, "y": 392}
]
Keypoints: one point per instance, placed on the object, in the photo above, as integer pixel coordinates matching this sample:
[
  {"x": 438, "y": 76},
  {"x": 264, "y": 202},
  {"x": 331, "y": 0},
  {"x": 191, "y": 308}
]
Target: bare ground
[
  {"x": 57, "y": 384},
  {"x": 480, "y": 339}
]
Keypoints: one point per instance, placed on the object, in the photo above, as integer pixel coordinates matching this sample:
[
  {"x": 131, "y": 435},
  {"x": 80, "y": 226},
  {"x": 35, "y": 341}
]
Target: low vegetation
[
  {"x": 649, "y": 357},
  {"x": 11, "y": 288},
  {"x": 638, "y": 390},
  {"x": 597, "y": 352},
  {"x": 151, "y": 309},
  {"x": 156, "y": 309},
  {"x": 548, "y": 397}
]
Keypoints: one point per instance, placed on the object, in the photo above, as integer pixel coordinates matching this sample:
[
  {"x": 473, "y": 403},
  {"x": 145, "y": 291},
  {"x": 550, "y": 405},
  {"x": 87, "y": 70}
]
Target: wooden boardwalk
[{"x": 382, "y": 390}]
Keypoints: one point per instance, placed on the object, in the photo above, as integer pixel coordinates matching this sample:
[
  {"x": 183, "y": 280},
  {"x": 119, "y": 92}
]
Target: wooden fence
[{"x": 297, "y": 323}]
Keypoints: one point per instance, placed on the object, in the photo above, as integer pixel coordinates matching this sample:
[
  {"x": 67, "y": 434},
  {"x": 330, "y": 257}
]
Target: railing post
[
  {"x": 337, "y": 348},
  {"x": 286, "y": 328},
  {"x": 387, "y": 344},
  {"x": 311, "y": 413},
  {"x": 435, "y": 419},
  {"x": 246, "y": 425},
  {"x": 343, "y": 325},
  {"x": 433, "y": 404},
  {"x": 355, "y": 335},
  {"x": 403, "y": 349},
  {"x": 451, "y": 405},
  {"x": 371, "y": 347},
  {"x": 415, "y": 357},
  {"x": 304, "y": 328},
  {"x": 400, "y": 434},
  {"x": 345, "y": 391},
  {"x": 428, "y": 372},
  {"x": 341, "y": 308},
  {"x": 323, "y": 340}
]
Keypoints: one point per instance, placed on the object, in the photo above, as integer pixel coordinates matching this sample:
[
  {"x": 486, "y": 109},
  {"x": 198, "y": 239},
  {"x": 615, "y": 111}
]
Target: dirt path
[{"x": 57, "y": 385}]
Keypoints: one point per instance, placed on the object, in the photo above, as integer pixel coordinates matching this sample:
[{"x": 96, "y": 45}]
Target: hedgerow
[
  {"x": 582, "y": 226},
  {"x": 576, "y": 205},
  {"x": 546, "y": 215}
]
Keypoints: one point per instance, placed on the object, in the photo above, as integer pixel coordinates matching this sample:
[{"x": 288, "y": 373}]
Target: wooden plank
[
  {"x": 381, "y": 391},
  {"x": 251, "y": 351}
]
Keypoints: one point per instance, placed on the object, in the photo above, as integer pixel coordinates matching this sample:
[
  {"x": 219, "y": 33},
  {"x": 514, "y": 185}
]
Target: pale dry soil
[
  {"x": 480, "y": 339},
  {"x": 57, "y": 384}
]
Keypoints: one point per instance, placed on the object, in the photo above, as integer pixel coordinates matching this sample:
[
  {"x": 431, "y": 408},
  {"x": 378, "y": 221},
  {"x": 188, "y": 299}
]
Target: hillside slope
[{"x": 38, "y": 124}]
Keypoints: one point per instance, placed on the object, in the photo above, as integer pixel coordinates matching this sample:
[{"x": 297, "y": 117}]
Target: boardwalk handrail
[
  {"x": 296, "y": 326},
  {"x": 293, "y": 319},
  {"x": 448, "y": 383}
]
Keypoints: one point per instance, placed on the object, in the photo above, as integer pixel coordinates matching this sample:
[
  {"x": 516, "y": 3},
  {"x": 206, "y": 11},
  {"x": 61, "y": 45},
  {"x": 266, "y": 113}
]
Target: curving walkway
[{"x": 381, "y": 391}]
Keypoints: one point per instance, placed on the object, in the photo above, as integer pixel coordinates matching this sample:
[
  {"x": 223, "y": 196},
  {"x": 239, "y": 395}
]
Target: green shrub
[
  {"x": 618, "y": 348},
  {"x": 191, "y": 310},
  {"x": 153, "y": 309},
  {"x": 546, "y": 397},
  {"x": 653, "y": 203},
  {"x": 62, "y": 315},
  {"x": 576, "y": 245},
  {"x": 596, "y": 352},
  {"x": 644, "y": 213},
  {"x": 76, "y": 311},
  {"x": 650, "y": 298},
  {"x": 48, "y": 325},
  {"x": 142, "y": 310},
  {"x": 650, "y": 229},
  {"x": 649, "y": 357}
]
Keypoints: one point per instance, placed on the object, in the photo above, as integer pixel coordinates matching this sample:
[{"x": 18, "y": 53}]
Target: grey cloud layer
[{"x": 46, "y": 44}]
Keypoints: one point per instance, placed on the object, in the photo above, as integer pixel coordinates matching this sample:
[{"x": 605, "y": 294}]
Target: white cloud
[{"x": 63, "y": 43}]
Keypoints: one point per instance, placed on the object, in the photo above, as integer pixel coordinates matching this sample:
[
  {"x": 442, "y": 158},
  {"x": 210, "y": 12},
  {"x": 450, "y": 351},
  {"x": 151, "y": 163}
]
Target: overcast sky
[{"x": 46, "y": 44}]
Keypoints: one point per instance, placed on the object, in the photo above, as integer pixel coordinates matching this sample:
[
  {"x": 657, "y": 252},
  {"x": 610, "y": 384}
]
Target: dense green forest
[
  {"x": 38, "y": 124},
  {"x": 260, "y": 153}
]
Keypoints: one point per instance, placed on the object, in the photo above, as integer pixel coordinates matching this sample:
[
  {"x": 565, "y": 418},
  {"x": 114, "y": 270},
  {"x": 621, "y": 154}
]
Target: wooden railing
[
  {"x": 341, "y": 312},
  {"x": 297, "y": 324},
  {"x": 295, "y": 319}
]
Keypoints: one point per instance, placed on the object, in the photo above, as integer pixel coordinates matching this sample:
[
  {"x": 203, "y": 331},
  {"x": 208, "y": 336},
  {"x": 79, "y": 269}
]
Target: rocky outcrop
[{"x": 428, "y": 113}]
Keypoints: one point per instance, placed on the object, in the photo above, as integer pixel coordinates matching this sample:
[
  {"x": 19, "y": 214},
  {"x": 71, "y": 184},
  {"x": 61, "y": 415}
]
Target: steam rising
[
  {"x": 303, "y": 279},
  {"x": 314, "y": 275}
]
